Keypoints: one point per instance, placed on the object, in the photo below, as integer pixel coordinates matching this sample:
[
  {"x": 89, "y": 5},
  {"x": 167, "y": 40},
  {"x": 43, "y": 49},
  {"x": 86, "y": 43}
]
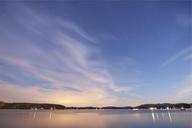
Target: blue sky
[{"x": 96, "y": 53}]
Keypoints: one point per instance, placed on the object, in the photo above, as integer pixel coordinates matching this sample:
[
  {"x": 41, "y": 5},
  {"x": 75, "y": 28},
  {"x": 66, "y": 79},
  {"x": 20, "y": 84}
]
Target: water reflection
[
  {"x": 153, "y": 116},
  {"x": 50, "y": 115},
  {"x": 34, "y": 115},
  {"x": 95, "y": 119},
  {"x": 157, "y": 116},
  {"x": 170, "y": 118}
]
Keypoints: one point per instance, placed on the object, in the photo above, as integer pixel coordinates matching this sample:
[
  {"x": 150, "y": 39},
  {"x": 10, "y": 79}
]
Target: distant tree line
[
  {"x": 165, "y": 105},
  {"x": 4, "y": 105}
]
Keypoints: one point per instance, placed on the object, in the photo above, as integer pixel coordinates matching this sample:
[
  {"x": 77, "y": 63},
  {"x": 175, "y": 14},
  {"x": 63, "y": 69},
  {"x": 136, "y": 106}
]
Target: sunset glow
[{"x": 95, "y": 53}]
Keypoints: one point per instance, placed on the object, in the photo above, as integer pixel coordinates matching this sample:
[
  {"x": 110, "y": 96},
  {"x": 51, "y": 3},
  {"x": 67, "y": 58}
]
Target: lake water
[{"x": 95, "y": 119}]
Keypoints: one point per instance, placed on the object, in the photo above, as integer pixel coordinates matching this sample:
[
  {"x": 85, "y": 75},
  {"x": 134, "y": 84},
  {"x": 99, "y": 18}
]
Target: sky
[{"x": 93, "y": 53}]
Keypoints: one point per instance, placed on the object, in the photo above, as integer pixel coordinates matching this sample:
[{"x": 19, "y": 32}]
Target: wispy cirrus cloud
[
  {"x": 183, "y": 89},
  {"x": 181, "y": 54},
  {"x": 183, "y": 20},
  {"x": 47, "y": 59}
]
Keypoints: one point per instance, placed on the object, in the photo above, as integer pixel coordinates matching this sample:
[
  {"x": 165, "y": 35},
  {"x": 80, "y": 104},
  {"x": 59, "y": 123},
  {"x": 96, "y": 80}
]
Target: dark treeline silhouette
[
  {"x": 114, "y": 107},
  {"x": 4, "y": 105},
  {"x": 165, "y": 105}
]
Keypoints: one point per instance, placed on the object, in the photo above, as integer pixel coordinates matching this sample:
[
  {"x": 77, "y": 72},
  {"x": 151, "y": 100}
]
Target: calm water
[{"x": 95, "y": 119}]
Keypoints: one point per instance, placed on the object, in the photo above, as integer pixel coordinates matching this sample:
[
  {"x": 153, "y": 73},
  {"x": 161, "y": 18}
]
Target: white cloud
[
  {"x": 43, "y": 49},
  {"x": 180, "y": 54},
  {"x": 183, "y": 90},
  {"x": 185, "y": 20}
]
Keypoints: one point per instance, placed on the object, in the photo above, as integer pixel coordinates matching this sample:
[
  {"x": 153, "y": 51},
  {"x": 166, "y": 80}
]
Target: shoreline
[{"x": 47, "y": 106}]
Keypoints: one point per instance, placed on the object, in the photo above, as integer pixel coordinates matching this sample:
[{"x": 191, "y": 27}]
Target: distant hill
[
  {"x": 4, "y": 105},
  {"x": 164, "y": 106}
]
